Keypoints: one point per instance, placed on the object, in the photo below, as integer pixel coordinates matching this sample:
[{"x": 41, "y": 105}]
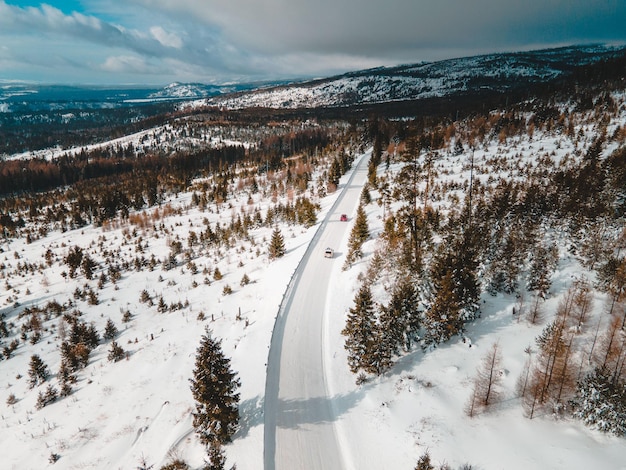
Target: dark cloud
[
  {"x": 398, "y": 27},
  {"x": 248, "y": 39}
]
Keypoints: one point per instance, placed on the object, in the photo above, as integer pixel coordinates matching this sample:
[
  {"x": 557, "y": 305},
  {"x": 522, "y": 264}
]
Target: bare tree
[
  {"x": 612, "y": 354},
  {"x": 582, "y": 303},
  {"x": 486, "y": 384},
  {"x": 535, "y": 313}
]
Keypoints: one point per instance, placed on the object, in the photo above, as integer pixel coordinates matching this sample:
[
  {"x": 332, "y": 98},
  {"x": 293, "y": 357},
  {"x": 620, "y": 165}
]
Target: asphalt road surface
[{"x": 299, "y": 430}]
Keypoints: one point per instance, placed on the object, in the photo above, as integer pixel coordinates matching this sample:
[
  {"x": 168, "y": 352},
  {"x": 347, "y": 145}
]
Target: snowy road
[{"x": 299, "y": 416}]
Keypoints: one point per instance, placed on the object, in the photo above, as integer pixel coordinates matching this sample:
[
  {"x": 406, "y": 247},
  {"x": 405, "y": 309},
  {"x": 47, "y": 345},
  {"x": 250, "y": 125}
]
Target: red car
[{"x": 344, "y": 218}]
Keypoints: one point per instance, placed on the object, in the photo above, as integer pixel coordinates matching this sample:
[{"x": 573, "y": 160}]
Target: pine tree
[
  {"x": 539, "y": 275},
  {"x": 360, "y": 332},
  {"x": 277, "y": 244},
  {"x": 110, "y": 330},
  {"x": 334, "y": 174},
  {"x": 600, "y": 403},
  {"x": 400, "y": 319},
  {"x": 443, "y": 319},
  {"x": 74, "y": 259},
  {"x": 37, "y": 372},
  {"x": 382, "y": 351},
  {"x": 366, "y": 197},
  {"x": 459, "y": 259},
  {"x": 87, "y": 266},
  {"x": 44, "y": 399},
  {"x": 361, "y": 228},
  {"x": 213, "y": 387},
  {"x": 416, "y": 232},
  {"x": 161, "y": 306},
  {"x": 81, "y": 333},
  {"x": 75, "y": 356},
  {"x": 358, "y": 235}
]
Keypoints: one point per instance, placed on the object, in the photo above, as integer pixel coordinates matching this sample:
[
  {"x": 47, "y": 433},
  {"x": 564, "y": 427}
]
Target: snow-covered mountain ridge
[{"x": 497, "y": 72}]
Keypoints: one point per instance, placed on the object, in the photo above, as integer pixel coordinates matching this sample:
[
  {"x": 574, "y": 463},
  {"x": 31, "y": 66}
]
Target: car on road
[
  {"x": 328, "y": 253},
  {"x": 344, "y": 217}
]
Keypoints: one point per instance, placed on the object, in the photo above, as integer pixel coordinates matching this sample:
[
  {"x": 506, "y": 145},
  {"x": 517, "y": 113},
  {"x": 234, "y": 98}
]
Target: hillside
[
  {"x": 463, "y": 76},
  {"x": 494, "y": 248}
]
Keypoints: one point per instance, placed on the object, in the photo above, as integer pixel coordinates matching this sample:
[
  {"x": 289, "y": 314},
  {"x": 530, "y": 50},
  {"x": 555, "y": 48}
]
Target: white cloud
[
  {"x": 128, "y": 64},
  {"x": 165, "y": 38}
]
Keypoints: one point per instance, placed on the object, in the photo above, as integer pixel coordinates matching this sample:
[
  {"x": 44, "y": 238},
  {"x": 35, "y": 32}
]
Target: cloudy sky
[{"x": 156, "y": 42}]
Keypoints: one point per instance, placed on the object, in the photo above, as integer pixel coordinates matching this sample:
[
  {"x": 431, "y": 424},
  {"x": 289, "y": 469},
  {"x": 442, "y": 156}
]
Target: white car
[{"x": 328, "y": 253}]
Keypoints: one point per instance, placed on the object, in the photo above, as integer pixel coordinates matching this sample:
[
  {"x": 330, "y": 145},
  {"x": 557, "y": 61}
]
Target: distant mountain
[
  {"x": 497, "y": 72},
  {"x": 20, "y": 97},
  {"x": 185, "y": 91}
]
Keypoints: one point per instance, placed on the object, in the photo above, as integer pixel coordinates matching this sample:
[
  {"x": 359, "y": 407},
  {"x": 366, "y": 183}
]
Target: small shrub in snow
[
  {"x": 424, "y": 463},
  {"x": 11, "y": 400},
  {"x": 116, "y": 353},
  {"x": 176, "y": 464},
  {"x": 145, "y": 298},
  {"x": 361, "y": 379},
  {"x": 127, "y": 316}
]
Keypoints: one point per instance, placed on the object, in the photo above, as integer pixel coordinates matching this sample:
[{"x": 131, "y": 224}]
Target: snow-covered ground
[{"x": 139, "y": 409}]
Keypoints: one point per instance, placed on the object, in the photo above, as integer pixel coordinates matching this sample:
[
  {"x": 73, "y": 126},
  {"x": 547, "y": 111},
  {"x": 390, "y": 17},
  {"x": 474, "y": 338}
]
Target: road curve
[{"x": 299, "y": 428}]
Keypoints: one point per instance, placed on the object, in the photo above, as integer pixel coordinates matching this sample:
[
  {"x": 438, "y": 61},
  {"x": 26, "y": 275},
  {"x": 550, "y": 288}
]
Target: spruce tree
[
  {"x": 539, "y": 275},
  {"x": 360, "y": 332},
  {"x": 213, "y": 387},
  {"x": 358, "y": 236},
  {"x": 366, "y": 197},
  {"x": 37, "y": 372},
  {"x": 277, "y": 244},
  {"x": 110, "y": 330},
  {"x": 44, "y": 399},
  {"x": 74, "y": 259},
  {"x": 400, "y": 319},
  {"x": 361, "y": 228},
  {"x": 334, "y": 173},
  {"x": 459, "y": 259},
  {"x": 87, "y": 266},
  {"x": 443, "y": 319},
  {"x": 601, "y": 403}
]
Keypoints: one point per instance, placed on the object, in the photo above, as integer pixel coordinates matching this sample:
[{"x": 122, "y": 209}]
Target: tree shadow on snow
[
  {"x": 292, "y": 414},
  {"x": 250, "y": 415}
]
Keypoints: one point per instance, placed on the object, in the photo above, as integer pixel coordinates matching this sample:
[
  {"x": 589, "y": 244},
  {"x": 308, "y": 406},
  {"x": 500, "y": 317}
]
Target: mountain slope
[{"x": 496, "y": 72}]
